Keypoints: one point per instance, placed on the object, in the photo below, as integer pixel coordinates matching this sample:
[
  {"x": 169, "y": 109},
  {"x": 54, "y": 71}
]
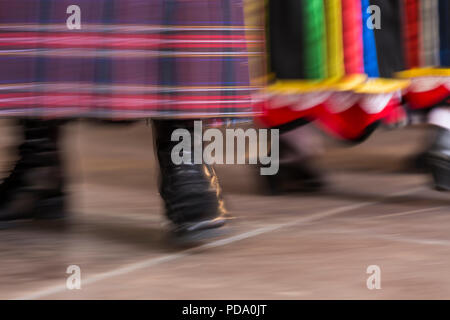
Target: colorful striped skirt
[{"x": 328, "y": 57}]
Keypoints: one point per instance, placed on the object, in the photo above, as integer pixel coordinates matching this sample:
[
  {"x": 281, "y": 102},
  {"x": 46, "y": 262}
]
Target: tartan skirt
[{"x": 128, "y": 59}]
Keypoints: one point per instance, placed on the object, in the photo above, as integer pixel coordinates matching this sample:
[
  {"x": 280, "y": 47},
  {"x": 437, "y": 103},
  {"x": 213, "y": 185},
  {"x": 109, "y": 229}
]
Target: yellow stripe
[
  {"x": 356, "y": 83},
  {"x": 335, "y": 53},
  {"x": 424, "y": 72},
  {"x": 304, "y": 86},
  {"x": 380, "y": 86}
]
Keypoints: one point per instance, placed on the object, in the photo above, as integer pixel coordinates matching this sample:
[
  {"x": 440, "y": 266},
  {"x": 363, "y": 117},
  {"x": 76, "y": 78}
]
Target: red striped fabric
[
  {"x": 411, "y": 33},
  {"x": 352, "y": 35}
]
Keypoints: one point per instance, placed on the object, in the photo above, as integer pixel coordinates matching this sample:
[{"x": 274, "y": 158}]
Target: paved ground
[{"x": 300, "y": 246}]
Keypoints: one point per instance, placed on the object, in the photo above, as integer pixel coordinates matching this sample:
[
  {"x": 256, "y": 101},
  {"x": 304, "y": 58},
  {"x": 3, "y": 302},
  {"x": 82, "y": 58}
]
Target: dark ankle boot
[
  {"x": 191, "y": 192},
  {"x": 295, "y": 174},
  {"x": 439, "y": 159},
  {"x": 34, "y": 189},
  {"x": 295, "y": 177}
]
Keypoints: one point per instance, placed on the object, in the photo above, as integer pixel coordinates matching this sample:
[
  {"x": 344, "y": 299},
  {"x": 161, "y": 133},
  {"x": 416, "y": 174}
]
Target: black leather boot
[
  {"x": 191, "y": 192},
  {"x": 439, "y": 159},
  {"x": 34, "y": 188}
]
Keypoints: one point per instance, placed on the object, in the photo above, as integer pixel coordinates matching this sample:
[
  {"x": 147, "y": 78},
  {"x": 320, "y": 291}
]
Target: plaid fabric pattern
[{"x": 130, "y": 59}]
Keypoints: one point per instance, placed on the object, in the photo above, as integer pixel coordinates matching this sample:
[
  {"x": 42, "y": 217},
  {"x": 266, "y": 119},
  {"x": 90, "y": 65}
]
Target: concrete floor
[{"x": 298, "y": 246}]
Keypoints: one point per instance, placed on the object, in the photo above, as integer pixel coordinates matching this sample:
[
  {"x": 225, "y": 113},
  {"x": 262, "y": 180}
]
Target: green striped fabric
[{"x": 315, "y": 39}]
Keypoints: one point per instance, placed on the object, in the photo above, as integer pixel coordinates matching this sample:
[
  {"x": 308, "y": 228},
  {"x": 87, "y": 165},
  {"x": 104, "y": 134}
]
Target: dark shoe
[
  {"x": 34, "y": 189},
  {"x": 191, "y": 192},
  {"x": 295, "y": 177},
  {"x": 439, "y": 160},
  {"x": 296, "y": 172},
  {"x": 418, "y": 163}
]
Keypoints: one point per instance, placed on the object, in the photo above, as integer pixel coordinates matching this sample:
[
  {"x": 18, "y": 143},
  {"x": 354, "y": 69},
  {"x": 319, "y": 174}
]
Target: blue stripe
[{"x": 370, "y": 49}]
